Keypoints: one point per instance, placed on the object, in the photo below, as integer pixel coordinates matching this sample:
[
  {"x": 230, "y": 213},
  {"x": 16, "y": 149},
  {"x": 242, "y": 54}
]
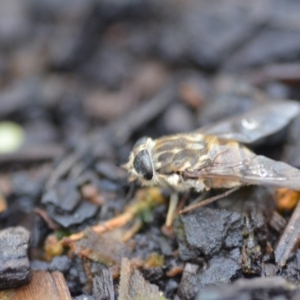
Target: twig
[
  {"x": 35, "y": 153},
  {"x": 144, "y": 200},
  {"x": 289, "y": 238}
]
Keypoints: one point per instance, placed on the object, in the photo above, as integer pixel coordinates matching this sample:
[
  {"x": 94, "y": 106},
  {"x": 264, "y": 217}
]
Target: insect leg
[
  {"x": 208, "y": 201},
  {"x": 172, "y": 208}
]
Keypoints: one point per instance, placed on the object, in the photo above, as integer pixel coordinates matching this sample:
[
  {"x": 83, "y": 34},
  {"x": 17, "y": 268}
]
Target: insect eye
[
  {"x": 142, "y": 164},
  {"x": 140, "y": 141}
]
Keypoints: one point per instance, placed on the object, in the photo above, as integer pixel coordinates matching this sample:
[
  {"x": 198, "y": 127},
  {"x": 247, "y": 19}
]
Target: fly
[{"x": 215, "y": 156}]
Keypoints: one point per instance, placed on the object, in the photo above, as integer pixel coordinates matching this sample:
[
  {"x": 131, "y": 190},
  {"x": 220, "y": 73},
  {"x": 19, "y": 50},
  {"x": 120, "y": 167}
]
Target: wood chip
[
  {"x": 133, "y": 286},
  {"x": 44, "y": 285},
  {"x": 103, "y": 287}
]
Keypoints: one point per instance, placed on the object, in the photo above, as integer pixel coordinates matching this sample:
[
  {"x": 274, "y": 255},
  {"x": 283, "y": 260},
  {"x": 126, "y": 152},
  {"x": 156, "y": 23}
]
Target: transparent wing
[
  {"x": 255, "y": 124},
  {"x": 258, "y": 170}
]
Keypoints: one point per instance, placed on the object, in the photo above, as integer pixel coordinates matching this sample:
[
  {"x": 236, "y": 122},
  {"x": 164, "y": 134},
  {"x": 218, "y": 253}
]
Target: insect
[{"x": 215, "y": 156}]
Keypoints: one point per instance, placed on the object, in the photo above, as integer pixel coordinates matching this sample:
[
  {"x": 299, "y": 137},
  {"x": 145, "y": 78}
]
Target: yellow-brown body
[
  {"x": 214, "y": 156},
  {"x": 181, "y": 161}
]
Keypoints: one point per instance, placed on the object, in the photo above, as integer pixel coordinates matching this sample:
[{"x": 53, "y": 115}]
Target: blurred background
[{"x": 69, "y": 66}]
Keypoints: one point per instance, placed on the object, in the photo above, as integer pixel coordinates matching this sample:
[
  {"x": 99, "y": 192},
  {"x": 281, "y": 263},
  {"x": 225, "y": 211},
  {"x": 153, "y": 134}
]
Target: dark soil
[{"x": 85, "y": 80}]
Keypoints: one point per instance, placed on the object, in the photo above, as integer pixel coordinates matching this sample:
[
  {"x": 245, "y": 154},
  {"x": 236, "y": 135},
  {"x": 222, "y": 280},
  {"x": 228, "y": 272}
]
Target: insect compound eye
[
  {"x": 140, "y": 141},
  {"x": 142, "y": 164}
]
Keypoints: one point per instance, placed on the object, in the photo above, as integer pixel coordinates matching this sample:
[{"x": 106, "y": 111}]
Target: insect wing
[
  {"x": 255, "y": 124},
  {"x": 258, "y": 170}
]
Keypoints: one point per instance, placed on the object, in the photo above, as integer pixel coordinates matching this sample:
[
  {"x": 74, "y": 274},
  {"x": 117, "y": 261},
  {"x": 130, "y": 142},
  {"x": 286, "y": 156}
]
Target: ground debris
[
  {"x": 134, "y": 287},
  {"x": 277, "y": 221},
  {"x": 205, "y": 232},
  {"x": 44, "y": 285},
  {"x": 103, "y": 288},
  {"x": 32, "y": 154},
  {"x": 86, "y": 79},
  {"x": 65, "y": 195},
  {"x": 292, "y": 148},
  {"x": 252, "y": 289},
  {"x": 65, "y": 206},
  {"x": 114, "y": 132},
  {"x": 189, "y": 35},
  {"x": 142, "y": 203},
  {"x": 281, "y": 72},
  {"x": 217, "y": 271},
  {"x": 239, "y": 98},
  {"x": 14, "y": 266},
  {"x": 84, "y": 211},
  {"x": 289, "y": 239},
  {"x": 285, "y": 44},
  {"x": 101, "y": 248},
  {"x": 59, "y": 263},
  {"x": 225, "y": 243}
]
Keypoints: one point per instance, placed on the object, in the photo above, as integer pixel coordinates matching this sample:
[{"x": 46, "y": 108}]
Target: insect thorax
[{"x": 175, "y": 153}]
